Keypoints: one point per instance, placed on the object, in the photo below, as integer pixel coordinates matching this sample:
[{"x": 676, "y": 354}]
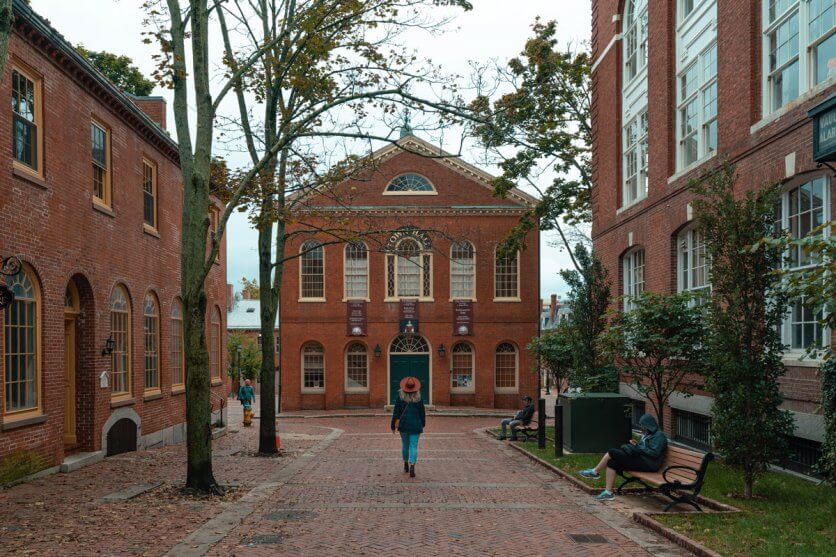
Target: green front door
[{"x": 403, "y": 365}]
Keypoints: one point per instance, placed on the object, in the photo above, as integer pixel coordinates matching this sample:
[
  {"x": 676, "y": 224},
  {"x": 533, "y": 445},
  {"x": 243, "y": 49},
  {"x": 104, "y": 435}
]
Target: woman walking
[{"x": 409, "y": 418}]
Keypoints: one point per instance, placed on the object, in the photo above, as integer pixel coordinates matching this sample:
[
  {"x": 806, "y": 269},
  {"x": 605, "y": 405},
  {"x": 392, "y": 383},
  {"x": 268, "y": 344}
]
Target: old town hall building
[
  {"x": 419, "y": 290},
  {"x": 679, "y": 87},
  {"x": 91, "y": 347}
]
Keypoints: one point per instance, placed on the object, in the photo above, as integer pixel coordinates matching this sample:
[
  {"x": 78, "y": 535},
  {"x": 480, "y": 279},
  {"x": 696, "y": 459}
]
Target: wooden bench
[
  {"x": 528, "y": 431},
  {"x": 680, "y": 478}
]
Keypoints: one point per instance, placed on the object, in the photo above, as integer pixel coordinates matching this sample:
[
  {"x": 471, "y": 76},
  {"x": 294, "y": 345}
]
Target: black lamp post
[
  {"x": 238, "y": 351},
  {"x": 110, "y": 344}
]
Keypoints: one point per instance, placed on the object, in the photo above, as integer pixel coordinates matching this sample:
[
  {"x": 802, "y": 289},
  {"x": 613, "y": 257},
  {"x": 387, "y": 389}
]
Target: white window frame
[
  {"x": 454, "y": 263},
  {"x": 640, "y": 148},
  {"x": 302, "y": 297},
  {"x": 633, "y": 21},
  {"x": 472, "y": 387},
  {"x": 410, "y": 192},
  {"x": 345, "y": 365},
  {"x": 302, "y": 367},
  {"x": 699, "y": 97},
  {"x": 425, "y": 256},
  {"x": 347, "y": 276},
  {"x": 792, "y": 353},
  {"x": 518, "y": 297},
  {"x": 632, "y": 287},
  {"x": 688, "y": 243},
  {"x": 507, "y": 390},
  {"x": 805, "y": 55}
]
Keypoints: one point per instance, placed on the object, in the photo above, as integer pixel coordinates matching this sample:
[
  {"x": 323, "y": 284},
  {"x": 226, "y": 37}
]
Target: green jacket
[
  {"x": 652, "y": 445},
  {"x": 246, "y": 394},
  {"x": 412, "y": 416}
]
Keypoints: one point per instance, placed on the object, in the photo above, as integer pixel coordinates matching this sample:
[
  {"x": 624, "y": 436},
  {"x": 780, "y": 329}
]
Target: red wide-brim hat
[{"x": 410, "y": 385}]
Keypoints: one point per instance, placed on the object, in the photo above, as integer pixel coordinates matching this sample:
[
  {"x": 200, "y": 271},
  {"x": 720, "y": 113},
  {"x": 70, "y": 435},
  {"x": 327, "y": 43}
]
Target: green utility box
[{"x": 595, "y": 422}]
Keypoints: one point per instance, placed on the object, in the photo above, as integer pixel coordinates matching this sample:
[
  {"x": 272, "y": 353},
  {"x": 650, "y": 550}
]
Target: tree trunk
[
  {"x": 6, "y": 21},
  {"x": 748, "y": 483},
  {"x": 267, "y": 422},
  {"x": 198, "y": 407}
]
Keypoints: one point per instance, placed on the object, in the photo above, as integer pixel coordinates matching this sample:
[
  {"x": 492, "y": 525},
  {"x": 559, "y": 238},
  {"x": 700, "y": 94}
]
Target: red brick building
[
  {"x": 678, "y": 88},
  {"x": 90, "y": 201},
  {"x": 425, "y": 296}
]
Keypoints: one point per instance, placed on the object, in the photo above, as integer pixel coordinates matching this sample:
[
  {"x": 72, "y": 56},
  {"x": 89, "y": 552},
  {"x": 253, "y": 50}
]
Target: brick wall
[
  {"x": 55, "y": 229},
  {"x": 757, "y": 148}
]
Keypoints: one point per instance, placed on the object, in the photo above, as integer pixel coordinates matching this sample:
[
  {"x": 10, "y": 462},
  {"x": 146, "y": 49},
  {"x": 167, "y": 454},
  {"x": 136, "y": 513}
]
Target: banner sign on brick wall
[
  {"x": 824, "y": 130},
  {"x": 356, "y": 318},
  {"x": 409, "y": 317},
  {"x": 462, "y": 318}
]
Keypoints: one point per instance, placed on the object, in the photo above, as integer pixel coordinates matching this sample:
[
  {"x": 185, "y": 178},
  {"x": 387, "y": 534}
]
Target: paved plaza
[{"x": 340, "y": 491}]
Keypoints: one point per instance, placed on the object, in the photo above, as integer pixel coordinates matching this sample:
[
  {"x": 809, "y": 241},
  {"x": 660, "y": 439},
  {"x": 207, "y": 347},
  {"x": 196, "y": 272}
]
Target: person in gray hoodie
[{"x": 645, "y": 455}]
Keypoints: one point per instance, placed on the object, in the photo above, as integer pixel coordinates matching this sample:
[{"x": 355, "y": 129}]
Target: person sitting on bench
[
  {"x": 646, "y": 455},
  {"x": 523, "y": 418}
]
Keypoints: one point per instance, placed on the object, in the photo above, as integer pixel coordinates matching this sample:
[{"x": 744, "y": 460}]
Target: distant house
[
  {"x": 553, "y": 313},
  {"x": 243, "y": 316}
]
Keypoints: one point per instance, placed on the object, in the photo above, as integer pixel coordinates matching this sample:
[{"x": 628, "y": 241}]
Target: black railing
[{"x": 692, "y": 429}]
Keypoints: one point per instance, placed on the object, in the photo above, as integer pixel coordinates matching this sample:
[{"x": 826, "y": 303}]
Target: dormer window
[{"x": 410, "y": 184}]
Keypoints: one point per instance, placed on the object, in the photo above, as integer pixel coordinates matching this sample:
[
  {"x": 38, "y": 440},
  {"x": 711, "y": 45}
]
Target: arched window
[
  {"x": 409, "y": 184},
  {"x": 312, "y": 271},
  {"x": 151, "y": 321},
  {"x": 462, "y": 271},
  {"x": 462, "y": 367},
  {"x": 635, "y": 38},
  {"x": 409, "y": 271},
  {"x": 692, "y": 264},
  {"x": 633, "y": 272},
  {"x": 22, "y": 358},
  {"x": 178, "y": 362},
  {"x": 505, "y": 372},
  {"x": 356, "y": 367},
  {"x": 313, "y": 367},
  {"x": 507, "y": 276},
  {"x": 412, "y": 344},
  {"x": 120, "y": 332},
  {"x": 356, "y": 272},
  {"x": 215, "y": 346}
]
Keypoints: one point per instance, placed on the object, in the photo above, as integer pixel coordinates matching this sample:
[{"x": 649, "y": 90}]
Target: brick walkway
[{"x": 472, "y": 496}]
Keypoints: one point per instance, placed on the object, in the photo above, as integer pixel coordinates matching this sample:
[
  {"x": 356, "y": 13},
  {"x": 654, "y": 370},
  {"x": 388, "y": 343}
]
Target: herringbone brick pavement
[{"x": 472, "y": 496}]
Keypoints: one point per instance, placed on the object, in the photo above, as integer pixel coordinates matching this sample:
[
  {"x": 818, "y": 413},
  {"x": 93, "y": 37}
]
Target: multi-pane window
[
  {"x": 215, "y": 345},
  {"x": 410, "y": 184},
  {"x": 505, "y": 373},
  {"x": 409, "y": 271},
  {"x": 149, "y": 193},
  {"x": 26, "y": 113},
  {"x": 356, "y": 271},
  {"x": 635, "y": 159},
  {"x": 21, "y": 347},
  {"x": 100, "y": 141},
  {"x": 799, "y": 42},
  {"x": 462, "y": 271},
  {"x": 151, "y": 321},
  {"x": 313, "y": 366},
  {"x": 686, "y": 7},
  {"x": 635, "y": 38},
  {"x": 120, "y": 332},
  {"x": 462, "y": 367},
  {"x": 178, "y": 362},
  {"x": 356, "y": 367},
  {"x": 802, "y": 211},
  {"x": 693, "y": 264},
  {"x": 506, "y": 276},
  {"x": 697, "y": 95},
  {"x": 312, "y": 271},
  {"x": 633, "y": 270}
]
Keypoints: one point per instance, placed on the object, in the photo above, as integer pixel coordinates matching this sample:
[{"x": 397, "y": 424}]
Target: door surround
[{"x": 424, "y": 352}]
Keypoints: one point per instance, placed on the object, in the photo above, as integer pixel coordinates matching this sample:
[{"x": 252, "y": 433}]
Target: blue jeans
[
  {"x": 514, "y": 425},
  {"x": 410, "y": 446}
]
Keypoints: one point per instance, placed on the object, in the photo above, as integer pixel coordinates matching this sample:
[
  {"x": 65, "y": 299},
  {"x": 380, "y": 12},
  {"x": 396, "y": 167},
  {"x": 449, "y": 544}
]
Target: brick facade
[
  {"x": 64, "y": 238},
  {"x": 463, "y": 208},
  {"x": 766, "y": 147}
]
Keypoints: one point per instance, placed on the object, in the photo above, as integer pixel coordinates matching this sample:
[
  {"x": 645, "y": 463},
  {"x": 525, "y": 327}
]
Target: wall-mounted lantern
[
  {"x": 441, "y": 351},
  {"x": 377, "y": 351},
  {"x": 110, "y": 344}
]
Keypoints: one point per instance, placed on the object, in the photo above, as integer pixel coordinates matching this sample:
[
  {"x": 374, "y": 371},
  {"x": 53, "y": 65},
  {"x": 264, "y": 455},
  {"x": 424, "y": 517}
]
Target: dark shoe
[
  {"x": 406, "y": 467},
  {"x": 502, "y": 438},
  {"x": 514, "y": 439},
  {"x": 412, "y": 471}
]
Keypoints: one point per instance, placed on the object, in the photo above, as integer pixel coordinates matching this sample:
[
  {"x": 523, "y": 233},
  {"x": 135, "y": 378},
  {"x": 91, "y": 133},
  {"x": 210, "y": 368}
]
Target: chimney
[
  {"x": 245, "y": 295},
  {"x": 553, "y": 307},
  {"x": 154, "y": 107},
  {"x": 230, "y": 297}
]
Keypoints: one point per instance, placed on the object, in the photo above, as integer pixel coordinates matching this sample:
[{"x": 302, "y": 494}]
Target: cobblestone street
[{"x": 339, "y": 490}]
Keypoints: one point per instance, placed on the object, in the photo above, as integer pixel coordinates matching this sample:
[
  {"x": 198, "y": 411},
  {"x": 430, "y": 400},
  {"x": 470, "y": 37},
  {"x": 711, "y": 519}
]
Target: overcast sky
[{"x": 495, "y": 29}]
